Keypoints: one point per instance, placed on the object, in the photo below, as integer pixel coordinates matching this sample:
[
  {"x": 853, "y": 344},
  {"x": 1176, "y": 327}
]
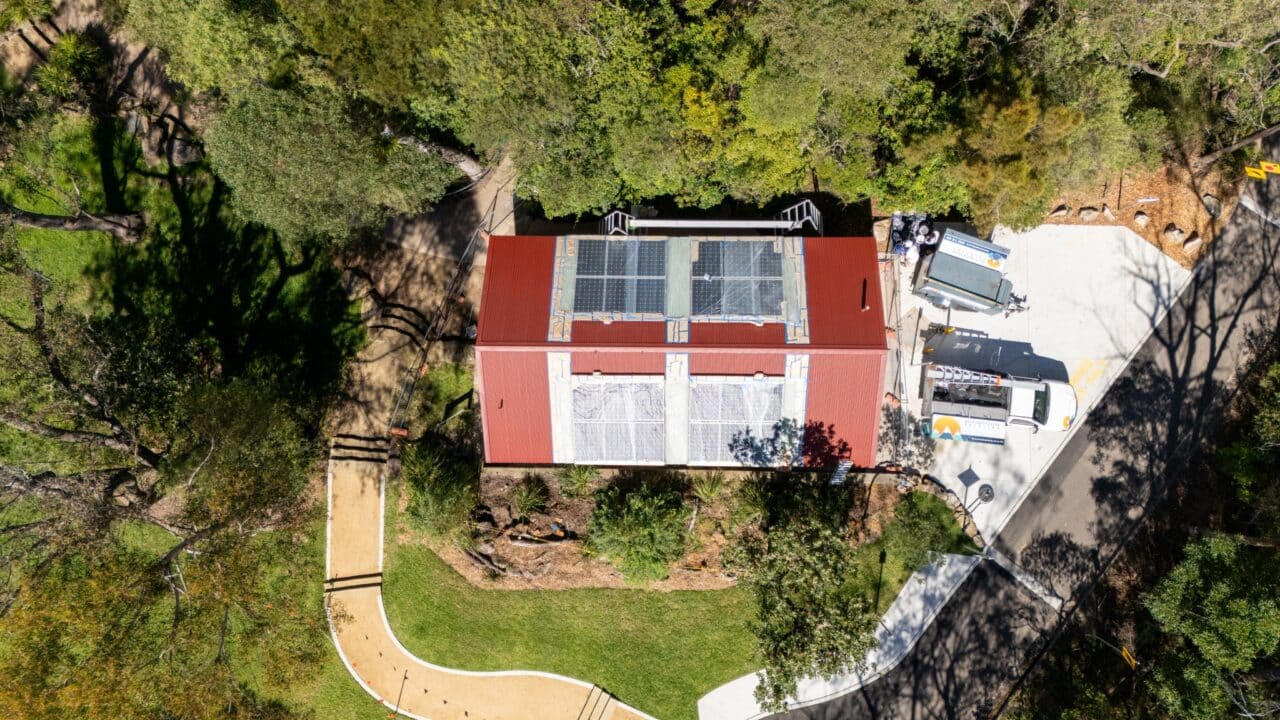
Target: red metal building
[{"x": 703, "y": 351}]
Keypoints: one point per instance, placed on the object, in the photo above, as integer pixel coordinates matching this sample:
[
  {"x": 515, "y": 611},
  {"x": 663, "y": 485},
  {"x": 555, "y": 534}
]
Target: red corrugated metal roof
[
  {"x": 515, "y": 305},
  {"x": 515, "y": 405},
  {"x": 640, "y": 333},
  {"x": 842, "y": 275},
  {"x": 845, "y": 388},
  {"x": 643, "y": 362},
  {"x": 842, "y": 409},
  {"x": 719, "y": 333}
]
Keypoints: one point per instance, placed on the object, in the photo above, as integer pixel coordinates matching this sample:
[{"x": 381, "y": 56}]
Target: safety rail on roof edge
[{"x": 790, "y": 219}]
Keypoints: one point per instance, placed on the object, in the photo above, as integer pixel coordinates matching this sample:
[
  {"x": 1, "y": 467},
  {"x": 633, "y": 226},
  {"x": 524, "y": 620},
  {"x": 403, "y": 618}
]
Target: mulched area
[
  {"x": 566, "y": 564},
  {"x": 1166, "y": 207}
]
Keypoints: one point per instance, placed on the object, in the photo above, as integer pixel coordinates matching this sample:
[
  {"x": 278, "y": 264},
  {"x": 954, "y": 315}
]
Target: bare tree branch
[
  {"x": 69, "y": 436},
  {"x": 84, "y": 395},
  {"x": 1207, "y": 160},
  {"x": 469, "y": 165},
  {"x": 126, "y": 227}
]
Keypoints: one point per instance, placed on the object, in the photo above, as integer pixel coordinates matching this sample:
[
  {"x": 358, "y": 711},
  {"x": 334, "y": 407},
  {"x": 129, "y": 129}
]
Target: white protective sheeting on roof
[
  {"x": 732, "y": 419},
  {"x": 619, "y": 419}
]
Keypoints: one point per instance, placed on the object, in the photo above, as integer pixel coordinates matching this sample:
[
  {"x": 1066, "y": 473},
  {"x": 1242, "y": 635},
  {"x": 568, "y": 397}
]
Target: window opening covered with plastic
[
  {"x": 727, "y": 415},
  {"x": 618, "y": 420},
  {"x": 625, "y": 276}
]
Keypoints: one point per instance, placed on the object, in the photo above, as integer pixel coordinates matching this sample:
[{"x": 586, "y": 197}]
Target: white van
[{"x": 962, "y": 404}]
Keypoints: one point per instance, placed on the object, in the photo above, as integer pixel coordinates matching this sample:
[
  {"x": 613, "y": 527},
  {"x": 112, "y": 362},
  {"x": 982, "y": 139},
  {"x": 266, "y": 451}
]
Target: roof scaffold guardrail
[{"x": 789, "y": 220}]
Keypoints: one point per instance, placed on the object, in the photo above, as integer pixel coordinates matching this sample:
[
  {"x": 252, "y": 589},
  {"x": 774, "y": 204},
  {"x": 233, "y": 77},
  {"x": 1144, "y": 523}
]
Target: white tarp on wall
[
  {"x": 619, "y": 419},
  {"x": 730, "y": 417}
]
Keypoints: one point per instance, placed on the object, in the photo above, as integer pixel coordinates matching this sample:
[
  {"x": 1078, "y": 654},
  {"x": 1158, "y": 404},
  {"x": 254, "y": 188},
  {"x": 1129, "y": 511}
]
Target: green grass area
[
  {"x": 659, "y": 651},
  {"x": 923, "y": 525},
  {"x": 53, "y": 169}
]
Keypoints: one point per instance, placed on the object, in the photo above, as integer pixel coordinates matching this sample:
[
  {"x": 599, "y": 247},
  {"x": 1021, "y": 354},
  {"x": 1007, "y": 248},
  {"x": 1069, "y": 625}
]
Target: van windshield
[{"x": 1040, "y": 413}]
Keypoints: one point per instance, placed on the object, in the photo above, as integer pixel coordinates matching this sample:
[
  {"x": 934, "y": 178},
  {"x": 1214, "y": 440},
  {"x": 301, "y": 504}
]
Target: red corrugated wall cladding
[
  {"x": 845, "y": 392},
  {"x": 515, "y": 406},
  {"x": 840, "y": 273},
  {"x": 515, "y": 306},
  {"x": 710, "y": 362}
]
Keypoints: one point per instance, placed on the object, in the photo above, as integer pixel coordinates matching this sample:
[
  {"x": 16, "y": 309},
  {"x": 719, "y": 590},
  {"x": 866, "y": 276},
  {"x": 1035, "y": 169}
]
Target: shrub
[
  {"x": 443, "y": 385},
  {"x": 748, "y": 504},
  {"x": 530, "y": 495},
  {"x": 74, "y": 62},
  {"x": 707, "y": 486},
  {"x": 923, "y": 524},
  {"x": 641, "y": 532},
  {"x": 577, "y": 480},
  {"x": 443, "y": 490}
]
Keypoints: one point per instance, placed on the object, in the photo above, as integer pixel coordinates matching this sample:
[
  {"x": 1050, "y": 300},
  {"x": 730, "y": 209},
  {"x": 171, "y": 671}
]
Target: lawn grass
[
  {"x": 52, "y": 166},
  {"x": 658, "y": 651}
]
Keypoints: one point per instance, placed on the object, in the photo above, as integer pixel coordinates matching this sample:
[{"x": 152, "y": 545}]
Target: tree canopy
[
  {"x": 987, "y": 108},
  {"x": 302, "y": 164}
]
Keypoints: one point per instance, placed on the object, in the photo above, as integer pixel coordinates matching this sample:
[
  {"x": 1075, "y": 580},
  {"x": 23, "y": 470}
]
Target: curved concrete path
[{"x": 390, "y": 673}]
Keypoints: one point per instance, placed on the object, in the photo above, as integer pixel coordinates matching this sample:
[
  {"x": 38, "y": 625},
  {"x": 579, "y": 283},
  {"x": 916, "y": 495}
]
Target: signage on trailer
[{"x": 986, "y": 254}]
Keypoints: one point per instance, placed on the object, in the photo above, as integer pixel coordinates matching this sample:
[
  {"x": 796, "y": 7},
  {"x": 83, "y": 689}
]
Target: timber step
[
  {"x": 359, "y": 448},
  {"x": 598, "y": 704},
  {"x": 353, "y": 582}
]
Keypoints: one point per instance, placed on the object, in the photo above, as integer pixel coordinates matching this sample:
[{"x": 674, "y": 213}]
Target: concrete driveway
[
  {"x": 1095, "y": 293},
  {"x": 1094, "y": 497}
]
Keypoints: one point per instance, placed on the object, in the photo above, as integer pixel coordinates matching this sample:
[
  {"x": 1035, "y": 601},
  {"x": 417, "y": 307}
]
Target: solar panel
[
  {"x": 621, "y": 276},
  {"x": 737, "y": 278}
]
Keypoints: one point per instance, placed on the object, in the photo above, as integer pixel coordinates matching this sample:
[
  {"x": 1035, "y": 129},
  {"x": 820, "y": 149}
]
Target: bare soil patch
[{"x": 1166, "y": 206}]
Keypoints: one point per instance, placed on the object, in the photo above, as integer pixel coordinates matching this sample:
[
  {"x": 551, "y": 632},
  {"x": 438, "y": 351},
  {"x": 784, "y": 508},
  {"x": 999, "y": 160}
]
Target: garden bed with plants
[{"x": 556, "y": 569}]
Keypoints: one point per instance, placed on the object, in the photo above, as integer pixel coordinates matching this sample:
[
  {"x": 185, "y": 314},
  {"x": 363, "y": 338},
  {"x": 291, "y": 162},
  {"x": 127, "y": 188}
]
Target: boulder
[
  {"x": 1060, "y": 211},
  {"x": 1173, "y": 233},
  {"x": 1193, "y": 244},
  {"x": 1107, "y": 214},
  {"x": 1088, "y": 214},
  {"x": 1212, "y": 204},
  {"x": 1140, "y": 219}
]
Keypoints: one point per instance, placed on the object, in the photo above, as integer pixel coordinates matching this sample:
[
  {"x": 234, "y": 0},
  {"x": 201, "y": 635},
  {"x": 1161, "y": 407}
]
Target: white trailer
[{"x": 962, "y": 404}]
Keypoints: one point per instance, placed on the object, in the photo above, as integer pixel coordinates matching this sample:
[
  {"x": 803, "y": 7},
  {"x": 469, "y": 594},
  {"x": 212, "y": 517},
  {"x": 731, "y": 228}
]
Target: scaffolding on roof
[{"x": 789, "y": 220}]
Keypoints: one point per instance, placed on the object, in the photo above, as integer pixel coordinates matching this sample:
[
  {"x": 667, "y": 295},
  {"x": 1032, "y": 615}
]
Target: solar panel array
[
  {"x": 737, "y": 278},
  {"x": 626, "y": 276}
]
